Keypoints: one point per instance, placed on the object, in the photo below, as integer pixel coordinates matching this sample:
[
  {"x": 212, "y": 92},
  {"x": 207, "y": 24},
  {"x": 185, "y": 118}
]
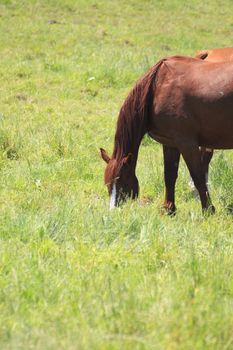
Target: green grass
[{"x": 72, "y": 274}]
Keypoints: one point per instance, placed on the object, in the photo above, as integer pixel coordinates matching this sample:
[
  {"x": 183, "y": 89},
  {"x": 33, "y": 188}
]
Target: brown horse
[
  {"x": 214, "y": 55},
  {"x": 183, "y": 103}
]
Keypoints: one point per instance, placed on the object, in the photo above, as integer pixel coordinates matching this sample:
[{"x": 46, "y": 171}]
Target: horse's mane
[{"x": 132, "y": 119}]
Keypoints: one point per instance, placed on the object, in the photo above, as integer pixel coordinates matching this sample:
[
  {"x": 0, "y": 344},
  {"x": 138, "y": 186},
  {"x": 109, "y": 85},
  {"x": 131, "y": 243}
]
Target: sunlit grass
[{"x": 72, "y": 274}]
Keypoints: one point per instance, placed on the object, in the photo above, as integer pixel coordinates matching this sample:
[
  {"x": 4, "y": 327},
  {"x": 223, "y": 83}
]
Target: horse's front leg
[
  {"x": 171, "y": 164},
  {"x": 192, "y": 157}
]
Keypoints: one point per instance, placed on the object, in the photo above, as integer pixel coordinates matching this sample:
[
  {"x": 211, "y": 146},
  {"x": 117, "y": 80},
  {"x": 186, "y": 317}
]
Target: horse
[
  {"x": 213, "y": 55},
  {"x": 183, "y": 103}
]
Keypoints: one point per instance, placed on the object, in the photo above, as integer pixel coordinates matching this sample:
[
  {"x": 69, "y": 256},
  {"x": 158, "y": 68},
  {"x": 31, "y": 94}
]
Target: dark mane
[{"x": 132, "y": 119}]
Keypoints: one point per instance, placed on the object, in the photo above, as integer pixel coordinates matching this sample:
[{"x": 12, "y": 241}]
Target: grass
[{"x": 72, "y": 274}]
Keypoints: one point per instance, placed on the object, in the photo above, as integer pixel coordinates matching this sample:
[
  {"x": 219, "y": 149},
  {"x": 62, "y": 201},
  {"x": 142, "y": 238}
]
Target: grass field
[{"x": 72, "y": 274}]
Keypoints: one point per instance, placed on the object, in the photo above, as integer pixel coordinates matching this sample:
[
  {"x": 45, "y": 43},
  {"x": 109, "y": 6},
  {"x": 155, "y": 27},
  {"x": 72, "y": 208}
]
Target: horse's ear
[
  {"x": 127, "y": 159},
  {"x": 104, "y": 155}
]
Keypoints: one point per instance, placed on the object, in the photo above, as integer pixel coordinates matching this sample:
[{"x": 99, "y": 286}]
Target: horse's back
[{"x": 200, "y": 78}]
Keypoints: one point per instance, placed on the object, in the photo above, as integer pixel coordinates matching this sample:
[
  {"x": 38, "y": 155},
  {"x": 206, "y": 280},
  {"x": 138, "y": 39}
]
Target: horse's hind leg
[
  {"x": 192, "y": 157},
  {"x": 171, "y": 164},
  {"x": 206, "y": 156}
]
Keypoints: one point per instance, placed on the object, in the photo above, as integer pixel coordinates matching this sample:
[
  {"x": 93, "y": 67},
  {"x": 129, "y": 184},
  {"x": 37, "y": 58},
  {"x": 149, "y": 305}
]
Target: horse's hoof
[
  {"x": 169, "y": 210},
  {"x": 209, "y": 211}
]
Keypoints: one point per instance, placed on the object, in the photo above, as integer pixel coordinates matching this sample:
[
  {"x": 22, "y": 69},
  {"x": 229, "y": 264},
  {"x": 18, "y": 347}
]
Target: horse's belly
[
  {"x": 165, "y": 140},
  {"x": 216, "y": 131},
  {"x": 220, "y": 143}
]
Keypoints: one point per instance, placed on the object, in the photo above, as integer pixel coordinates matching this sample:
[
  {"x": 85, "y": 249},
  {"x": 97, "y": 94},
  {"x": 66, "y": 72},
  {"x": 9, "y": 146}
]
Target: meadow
[{"x": 74, "y": 275}]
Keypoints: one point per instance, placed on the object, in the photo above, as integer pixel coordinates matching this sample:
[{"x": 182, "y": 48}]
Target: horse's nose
[{"x": 113, "y": 197}]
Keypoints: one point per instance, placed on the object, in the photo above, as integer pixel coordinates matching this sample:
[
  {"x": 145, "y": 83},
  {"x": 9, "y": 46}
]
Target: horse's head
[{"x": 120, "y": 179}]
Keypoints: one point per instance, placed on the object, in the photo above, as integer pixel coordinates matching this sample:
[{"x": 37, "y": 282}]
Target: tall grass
[{"x": 72, "y": 274}]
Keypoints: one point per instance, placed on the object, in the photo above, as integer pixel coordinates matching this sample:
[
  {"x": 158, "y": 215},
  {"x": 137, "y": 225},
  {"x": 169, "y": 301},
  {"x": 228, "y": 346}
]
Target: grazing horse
[
  {"x": 183, "y": 103},
  {"x": 214, "y": 55}
]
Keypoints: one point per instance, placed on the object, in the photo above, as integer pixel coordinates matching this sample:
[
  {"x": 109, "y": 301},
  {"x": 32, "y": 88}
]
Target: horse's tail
[{"x": 202, "y": 55}]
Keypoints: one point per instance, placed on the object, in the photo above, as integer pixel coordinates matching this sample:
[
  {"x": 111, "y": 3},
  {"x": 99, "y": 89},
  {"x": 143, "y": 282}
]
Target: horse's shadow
[
  {"x": 229, "y": 208},
  {"x": 191, "y": 194}
]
